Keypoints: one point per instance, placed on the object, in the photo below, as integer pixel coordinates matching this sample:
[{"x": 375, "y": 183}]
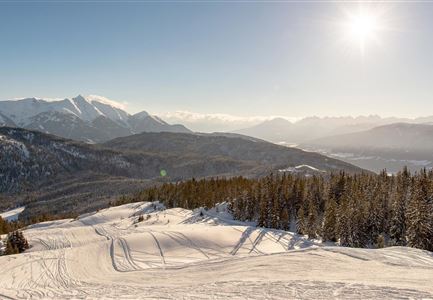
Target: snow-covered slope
[
  {"x": 75, "y": 118},
  {"x": 182, "y": 254},
  {"x": 12, "y": 215}
]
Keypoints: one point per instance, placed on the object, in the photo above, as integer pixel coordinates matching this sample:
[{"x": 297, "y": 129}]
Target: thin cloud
[
  {"x": 105, "y": 100},
  {"x": 215, "y": 122}
]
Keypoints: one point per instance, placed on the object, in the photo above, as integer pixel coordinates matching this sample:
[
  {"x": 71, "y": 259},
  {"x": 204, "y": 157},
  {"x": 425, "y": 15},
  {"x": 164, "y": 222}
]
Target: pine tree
[
  {"x": 263, "y": 208},
  {"x": 420, "y": 215},
  {"x": 16, "y": 243},
  {"x": 312, "y": 220},
  {"x": 399, "y": 205},
  {"x": 343, "y": 223},
  {"x": 329, "y": 229},
  {"x": 285, "y": 219},
  {"x": 300, "y": 221}
]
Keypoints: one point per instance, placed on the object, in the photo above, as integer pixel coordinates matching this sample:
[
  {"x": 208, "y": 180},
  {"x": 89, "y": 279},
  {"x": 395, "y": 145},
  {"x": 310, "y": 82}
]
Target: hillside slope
[
  {"x": 177, "y": 253},
  {"x": 234, "y": 147},
  {"x": 391, "y": 146},
  {"x": 29, "y": 159}
]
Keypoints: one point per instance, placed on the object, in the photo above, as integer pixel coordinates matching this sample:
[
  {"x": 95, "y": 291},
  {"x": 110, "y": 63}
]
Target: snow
[
  {"x": 12, "y": 215},
  {"x": 14, "y": 144},
  {"x": 106, "y": 101},
  {"x": 22, "y": 111},
  {"x": 301, "y": 168},
  {"x": 182, "y": 254}
]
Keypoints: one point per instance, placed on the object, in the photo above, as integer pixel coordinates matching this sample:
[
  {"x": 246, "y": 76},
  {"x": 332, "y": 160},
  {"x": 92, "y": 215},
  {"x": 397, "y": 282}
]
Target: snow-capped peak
[
  {"x": 34, "y": 113},
  {"x": 140, "y": 115},
  {"x": 106, "y": 101}
]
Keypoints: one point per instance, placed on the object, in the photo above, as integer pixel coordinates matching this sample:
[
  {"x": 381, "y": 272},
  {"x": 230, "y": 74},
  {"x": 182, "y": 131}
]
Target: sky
[{"x": 237, "y": 59}]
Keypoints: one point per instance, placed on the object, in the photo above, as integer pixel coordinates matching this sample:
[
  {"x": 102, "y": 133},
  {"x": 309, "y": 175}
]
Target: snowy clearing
[
  {"x": 12, "y": 215},
  {"x": 178, "y": 254}
]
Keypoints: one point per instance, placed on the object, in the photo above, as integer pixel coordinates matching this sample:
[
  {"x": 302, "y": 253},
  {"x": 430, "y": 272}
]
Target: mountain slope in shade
[
  {"x": 143, "y": 122},
  {"x": 110, "y": 129},
  {"x": 267, "y": 155},
  {"x": 389, "y": 146},
  {"x": 65, "y": 125},
  {"x": 5, "y": 121},
  {"x": 30, "y": 158},
  {"x": 90, "y": 119}
]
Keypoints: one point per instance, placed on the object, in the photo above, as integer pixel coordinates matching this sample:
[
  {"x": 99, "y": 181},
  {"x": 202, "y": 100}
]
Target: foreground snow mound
[{"x": 143, "y": 250}]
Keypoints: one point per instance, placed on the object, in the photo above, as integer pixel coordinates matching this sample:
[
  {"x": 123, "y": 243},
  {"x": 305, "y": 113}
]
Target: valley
[{"x": 53, "y": 175}]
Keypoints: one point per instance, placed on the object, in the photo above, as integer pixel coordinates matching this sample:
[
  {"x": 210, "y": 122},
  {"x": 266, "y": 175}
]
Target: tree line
[{"x": 362, "y": 210}]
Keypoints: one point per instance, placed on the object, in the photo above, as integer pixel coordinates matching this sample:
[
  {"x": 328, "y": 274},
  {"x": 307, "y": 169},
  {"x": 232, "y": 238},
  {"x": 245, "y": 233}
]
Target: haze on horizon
[{"x": 243, "y": 61}]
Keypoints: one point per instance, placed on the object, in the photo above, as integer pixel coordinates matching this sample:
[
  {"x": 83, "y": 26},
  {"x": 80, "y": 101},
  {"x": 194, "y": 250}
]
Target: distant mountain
[
  {"x": 389, "y": 146},
  {"x": 264, "y": 156},
  {"x": 275, "y": 130},
  {"x": 90, "y": 119},
  {"x": 283, "y": 131},
  {"x": 143, "y": 122}
]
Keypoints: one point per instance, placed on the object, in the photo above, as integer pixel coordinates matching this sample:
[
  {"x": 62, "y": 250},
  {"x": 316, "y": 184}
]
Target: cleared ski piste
[
  {"x": 181, "y": 254},
  {"x": 12, "y": 215}
]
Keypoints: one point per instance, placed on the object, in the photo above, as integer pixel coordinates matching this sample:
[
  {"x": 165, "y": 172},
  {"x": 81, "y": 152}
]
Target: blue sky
[{"x": 242, "y": 58}]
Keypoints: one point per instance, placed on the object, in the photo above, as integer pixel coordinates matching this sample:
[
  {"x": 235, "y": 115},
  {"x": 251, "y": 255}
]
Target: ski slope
[
  {"x": 182, "y": 254},
  {"x": 12, "y": 215}
]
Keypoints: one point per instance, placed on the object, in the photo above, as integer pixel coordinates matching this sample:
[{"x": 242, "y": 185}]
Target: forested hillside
[{"x": 357, "y": 210}]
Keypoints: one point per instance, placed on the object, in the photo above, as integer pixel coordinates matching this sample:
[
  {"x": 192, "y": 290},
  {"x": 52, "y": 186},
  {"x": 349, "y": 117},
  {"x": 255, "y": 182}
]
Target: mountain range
[
  {"x": 388, "y": 147},
  {"x": 280, "y": 130},
  {"x": 91, "y": 119}
]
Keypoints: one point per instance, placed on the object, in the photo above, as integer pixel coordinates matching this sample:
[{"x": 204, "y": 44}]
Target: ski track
[{"x": 176, "y": 254}]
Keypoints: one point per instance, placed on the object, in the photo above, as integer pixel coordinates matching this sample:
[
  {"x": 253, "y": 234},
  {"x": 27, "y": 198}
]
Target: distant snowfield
[
  {"x": 179, "y": 254},
  {"x": 12, "y": 215}
]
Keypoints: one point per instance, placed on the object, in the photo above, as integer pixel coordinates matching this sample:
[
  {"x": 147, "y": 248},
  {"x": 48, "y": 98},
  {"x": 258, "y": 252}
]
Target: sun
[{"x": 363, "y": 27}]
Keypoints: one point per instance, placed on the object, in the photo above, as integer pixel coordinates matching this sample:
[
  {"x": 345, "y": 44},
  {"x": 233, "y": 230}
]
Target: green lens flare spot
[{"x": 163, "y": 173}]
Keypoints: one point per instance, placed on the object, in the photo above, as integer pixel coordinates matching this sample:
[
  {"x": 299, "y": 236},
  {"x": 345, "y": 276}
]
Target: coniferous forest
[{"x": 361, "y": 210}]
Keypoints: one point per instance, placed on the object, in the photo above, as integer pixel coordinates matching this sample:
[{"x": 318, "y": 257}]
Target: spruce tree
[
  {"x": 397, "y": 229},
  {"x": 329, "y": 229},
  {"x": 420, "y": 215},
  {"x": 312, "y": 220},
  {"x": 300, "y": 221},
  {"x": 343, "y": 223},
  {"x": 285, "y": 219}
]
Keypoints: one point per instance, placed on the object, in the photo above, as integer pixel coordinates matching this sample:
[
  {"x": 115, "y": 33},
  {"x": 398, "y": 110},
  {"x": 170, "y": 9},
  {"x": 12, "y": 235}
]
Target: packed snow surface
[{"x": 182, "y": 254}]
